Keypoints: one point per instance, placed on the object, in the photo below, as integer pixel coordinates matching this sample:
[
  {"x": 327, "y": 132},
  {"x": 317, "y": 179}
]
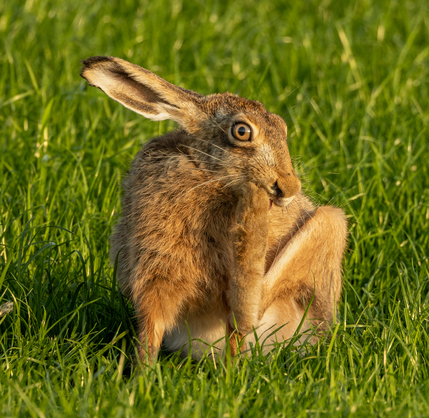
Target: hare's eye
[{"x": 241, "y": 131}]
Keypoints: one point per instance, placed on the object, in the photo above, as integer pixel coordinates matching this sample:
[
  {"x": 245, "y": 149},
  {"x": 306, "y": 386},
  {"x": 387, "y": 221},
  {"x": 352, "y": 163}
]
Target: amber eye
[{"x": 241, "y": 131}]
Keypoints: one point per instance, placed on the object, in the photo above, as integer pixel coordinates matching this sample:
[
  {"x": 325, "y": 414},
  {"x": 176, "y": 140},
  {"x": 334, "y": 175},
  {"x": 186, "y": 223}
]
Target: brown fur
[{"x": 197, "y": 243}]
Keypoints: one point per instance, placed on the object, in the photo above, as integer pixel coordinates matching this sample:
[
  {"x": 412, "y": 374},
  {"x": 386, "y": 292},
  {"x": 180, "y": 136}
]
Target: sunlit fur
[{"x": 199, "y": 245}]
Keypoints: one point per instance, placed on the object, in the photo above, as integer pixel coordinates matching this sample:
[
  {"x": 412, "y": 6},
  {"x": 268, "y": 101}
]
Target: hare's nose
[
  {"x": 287, "y": 185},
  {"x": 276, "y": 190}
]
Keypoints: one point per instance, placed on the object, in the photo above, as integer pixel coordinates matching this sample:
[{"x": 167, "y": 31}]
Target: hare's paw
[
  {"x": 253, "y": 204},
  {"x": 251, "y": 230},
  {"x": 250, "y": 236}
]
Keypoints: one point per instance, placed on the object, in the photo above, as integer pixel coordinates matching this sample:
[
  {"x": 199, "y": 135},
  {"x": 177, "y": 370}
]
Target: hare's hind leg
[
  {"x": 310, "y": 263},
  {"x": 157, "y": 307}
]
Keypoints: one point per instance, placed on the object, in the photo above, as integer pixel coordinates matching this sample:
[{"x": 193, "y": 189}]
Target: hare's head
[{"x": 237, "y": 138}]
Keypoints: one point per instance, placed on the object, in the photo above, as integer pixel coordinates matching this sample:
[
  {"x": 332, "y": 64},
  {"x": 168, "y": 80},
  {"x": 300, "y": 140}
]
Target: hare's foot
[
  {"x": 309, "y": 264},
  {"x": 235, "y": 339},
  {"x": 157, "y": 311},
  {"x": 151, "y": 332}
]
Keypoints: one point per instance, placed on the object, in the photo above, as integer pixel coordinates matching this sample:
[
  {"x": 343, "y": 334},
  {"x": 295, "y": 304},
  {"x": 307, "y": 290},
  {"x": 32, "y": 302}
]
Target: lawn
[{"x": 350, "y": 78}]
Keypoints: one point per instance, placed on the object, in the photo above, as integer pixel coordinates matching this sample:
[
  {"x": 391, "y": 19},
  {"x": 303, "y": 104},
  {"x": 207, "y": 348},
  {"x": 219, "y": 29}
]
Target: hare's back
[{"x": 175, "y": 220}]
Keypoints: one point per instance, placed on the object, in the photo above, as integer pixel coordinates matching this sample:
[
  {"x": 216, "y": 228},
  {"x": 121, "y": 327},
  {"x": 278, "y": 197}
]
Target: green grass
[{"x": 351, "y": 80}]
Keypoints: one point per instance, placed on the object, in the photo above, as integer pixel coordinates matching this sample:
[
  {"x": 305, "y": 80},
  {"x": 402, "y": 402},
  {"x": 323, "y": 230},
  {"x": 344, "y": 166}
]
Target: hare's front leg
[
  {"x": 310, "y": 263},
  {"x": 250, "y": 234}
]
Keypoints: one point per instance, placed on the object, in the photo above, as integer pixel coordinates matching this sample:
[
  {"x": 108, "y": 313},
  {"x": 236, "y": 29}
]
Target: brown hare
[{"x": 215, "y": 230}]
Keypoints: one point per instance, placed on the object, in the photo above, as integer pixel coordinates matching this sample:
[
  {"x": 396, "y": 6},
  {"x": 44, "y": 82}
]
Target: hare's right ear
[{"x": 142, "y": 91}]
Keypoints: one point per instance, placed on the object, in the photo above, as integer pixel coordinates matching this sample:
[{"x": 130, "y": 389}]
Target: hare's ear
[{"x": 142, "y": 91}]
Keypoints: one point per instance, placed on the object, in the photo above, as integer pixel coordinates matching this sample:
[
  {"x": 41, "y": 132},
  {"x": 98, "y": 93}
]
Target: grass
[{"x": 351, "y": 81}]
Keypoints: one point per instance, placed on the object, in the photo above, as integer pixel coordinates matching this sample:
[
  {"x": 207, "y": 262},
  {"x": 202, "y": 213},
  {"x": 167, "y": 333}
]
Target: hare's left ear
[{"x": 142, "y": 91}]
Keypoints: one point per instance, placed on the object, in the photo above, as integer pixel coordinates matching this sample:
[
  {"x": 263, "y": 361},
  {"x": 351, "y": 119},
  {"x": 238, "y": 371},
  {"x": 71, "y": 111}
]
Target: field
[{"x": 350, "y": 78}]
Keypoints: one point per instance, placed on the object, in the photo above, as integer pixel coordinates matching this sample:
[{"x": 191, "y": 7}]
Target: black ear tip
[{"x": 92, "y": 62}]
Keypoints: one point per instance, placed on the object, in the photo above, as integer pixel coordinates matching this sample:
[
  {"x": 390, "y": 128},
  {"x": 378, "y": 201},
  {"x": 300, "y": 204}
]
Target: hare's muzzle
[{"x": 285, "y": 188}]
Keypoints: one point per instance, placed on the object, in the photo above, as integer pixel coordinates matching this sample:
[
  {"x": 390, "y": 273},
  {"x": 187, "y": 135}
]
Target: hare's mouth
[{"x": 281, "y": 202}]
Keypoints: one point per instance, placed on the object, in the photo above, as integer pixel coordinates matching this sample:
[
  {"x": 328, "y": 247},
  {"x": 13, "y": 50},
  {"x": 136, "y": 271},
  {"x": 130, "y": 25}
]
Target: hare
[{"x": 215, "y": 233}]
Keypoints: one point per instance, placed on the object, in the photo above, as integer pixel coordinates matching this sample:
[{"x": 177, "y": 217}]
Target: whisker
[
  {"x": 211, "y": 143},
  {"x": 169, "y": 156},
  {"x": 223, "y": 163},
  {"x": 232, "y": 182},
  {"x": 205, "y": 183},
  {"x": 202, "y": 152},
  {"x": 220, "y": 127},
  {"x": 308, "y": 193}
]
